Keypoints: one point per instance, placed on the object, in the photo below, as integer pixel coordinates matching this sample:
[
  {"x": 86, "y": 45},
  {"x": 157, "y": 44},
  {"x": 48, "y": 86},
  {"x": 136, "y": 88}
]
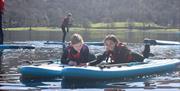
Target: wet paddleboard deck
[{"x": 153, "y": 66}]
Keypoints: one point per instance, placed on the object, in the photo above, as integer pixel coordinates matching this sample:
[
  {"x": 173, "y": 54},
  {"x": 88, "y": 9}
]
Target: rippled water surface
[{"x": 10, "y": 79}]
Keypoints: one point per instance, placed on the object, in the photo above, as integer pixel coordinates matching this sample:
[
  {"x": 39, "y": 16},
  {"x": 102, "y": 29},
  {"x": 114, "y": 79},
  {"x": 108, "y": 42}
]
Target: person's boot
[{"x": 146, "y": 51}]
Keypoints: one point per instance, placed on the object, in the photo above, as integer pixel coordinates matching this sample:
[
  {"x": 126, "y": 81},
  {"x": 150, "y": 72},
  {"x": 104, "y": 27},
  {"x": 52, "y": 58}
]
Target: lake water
[{"x": 10, "y": 79}]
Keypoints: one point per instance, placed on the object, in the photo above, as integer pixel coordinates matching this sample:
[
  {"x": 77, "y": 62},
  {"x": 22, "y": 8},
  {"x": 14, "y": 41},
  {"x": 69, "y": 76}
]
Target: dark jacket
[
  {"x": 121, "y": 54},
  {"x": 66, "y": 22},
  {"x": 70, "y": 54}
]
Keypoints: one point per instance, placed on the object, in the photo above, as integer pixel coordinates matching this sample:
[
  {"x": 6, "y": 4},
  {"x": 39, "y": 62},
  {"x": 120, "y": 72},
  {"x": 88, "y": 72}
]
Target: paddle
[
  {"x": 38, "y": 62},
  {"x": 88, "y": 43},
  {"x": 6, "y": 46},
  {"x": 120, "y": 64}
]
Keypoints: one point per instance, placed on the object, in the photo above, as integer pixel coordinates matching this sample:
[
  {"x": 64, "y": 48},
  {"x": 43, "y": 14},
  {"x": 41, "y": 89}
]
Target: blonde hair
[
  {"x": 112, "y": 38},
  {"x": 76, "y": 38}
]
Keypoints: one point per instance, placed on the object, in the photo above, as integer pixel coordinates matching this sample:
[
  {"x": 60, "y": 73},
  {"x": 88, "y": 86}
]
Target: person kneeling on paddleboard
[
  {"x": 119, "y": 53},
  {"x": 77, "y": 53}
]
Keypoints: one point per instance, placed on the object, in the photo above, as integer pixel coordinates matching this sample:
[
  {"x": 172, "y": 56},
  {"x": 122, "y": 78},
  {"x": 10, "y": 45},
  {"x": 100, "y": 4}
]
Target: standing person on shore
[
  {"x": 1, "y": 13},
  {"x": 67, "y": 22}
]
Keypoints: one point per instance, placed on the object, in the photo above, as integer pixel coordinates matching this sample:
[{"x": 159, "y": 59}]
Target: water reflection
[
  {"x": 42, "y": 83},
  {"x": 85, "y": 83},
  {"x": 146, "y": 82},
  {"x": 158, "y": 81},
  {"x": 111, "y": 83}
]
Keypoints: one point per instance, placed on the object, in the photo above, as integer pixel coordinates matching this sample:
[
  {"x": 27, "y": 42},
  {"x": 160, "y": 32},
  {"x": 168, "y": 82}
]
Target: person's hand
[{"x": 72, "y": 63}]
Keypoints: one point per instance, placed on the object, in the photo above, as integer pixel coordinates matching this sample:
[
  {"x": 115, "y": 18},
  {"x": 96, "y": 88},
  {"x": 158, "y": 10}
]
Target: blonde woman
[{"x": 77, "y": 53}]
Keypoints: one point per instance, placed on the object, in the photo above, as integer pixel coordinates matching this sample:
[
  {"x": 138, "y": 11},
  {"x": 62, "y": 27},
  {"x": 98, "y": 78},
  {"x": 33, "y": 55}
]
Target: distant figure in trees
[
  {"x": 1, "y": 13},
  {"x": 67, "y": 22}
]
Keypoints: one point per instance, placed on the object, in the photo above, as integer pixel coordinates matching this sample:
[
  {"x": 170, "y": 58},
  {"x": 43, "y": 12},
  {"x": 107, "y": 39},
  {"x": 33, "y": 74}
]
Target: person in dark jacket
[
  {"x": 77, "y": 53},
  {"x": 1, "y": 13},
  {"x": 67, "y": 22},
  {"x": 117, "y": 52}
]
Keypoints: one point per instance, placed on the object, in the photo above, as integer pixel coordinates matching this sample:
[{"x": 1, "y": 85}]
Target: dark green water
[{"x": 10, "y": 79}]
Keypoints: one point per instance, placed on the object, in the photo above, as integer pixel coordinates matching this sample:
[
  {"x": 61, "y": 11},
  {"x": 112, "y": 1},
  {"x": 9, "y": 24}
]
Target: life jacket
[
  {"x": 72, "y": 54},
  {"x": 120, "y": 51}
]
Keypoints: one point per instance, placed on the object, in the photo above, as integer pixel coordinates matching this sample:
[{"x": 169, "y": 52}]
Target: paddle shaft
[
  {"x": 121, "y": 64},
  {"x": 16, "y": 47}
]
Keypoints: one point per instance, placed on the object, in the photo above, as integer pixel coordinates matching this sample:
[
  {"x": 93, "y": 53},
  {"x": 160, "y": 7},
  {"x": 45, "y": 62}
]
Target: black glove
[{"x": 100, "y": 58}]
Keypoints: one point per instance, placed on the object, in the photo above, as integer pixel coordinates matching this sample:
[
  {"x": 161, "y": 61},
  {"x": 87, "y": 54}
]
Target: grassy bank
[
  {"x": 123, "y": 24},
  {"x": 96, "y": 32},
  {"x": 87, "y": 29},
  {"x": 125, "y": 35},
  {"x": 103, "y": 26}
]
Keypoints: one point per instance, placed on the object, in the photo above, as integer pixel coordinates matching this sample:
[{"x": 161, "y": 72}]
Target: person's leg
[
  {"x": 1, "y": 31},
  {"x": 1, "y": 37},
  {"x": 1, "y": 59},
  {"x": 64, "y": 34},
  {"x": 97, "y": 60},
  {"x": 67, "y": 29},
  {"x": 1, "y": 42}
]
